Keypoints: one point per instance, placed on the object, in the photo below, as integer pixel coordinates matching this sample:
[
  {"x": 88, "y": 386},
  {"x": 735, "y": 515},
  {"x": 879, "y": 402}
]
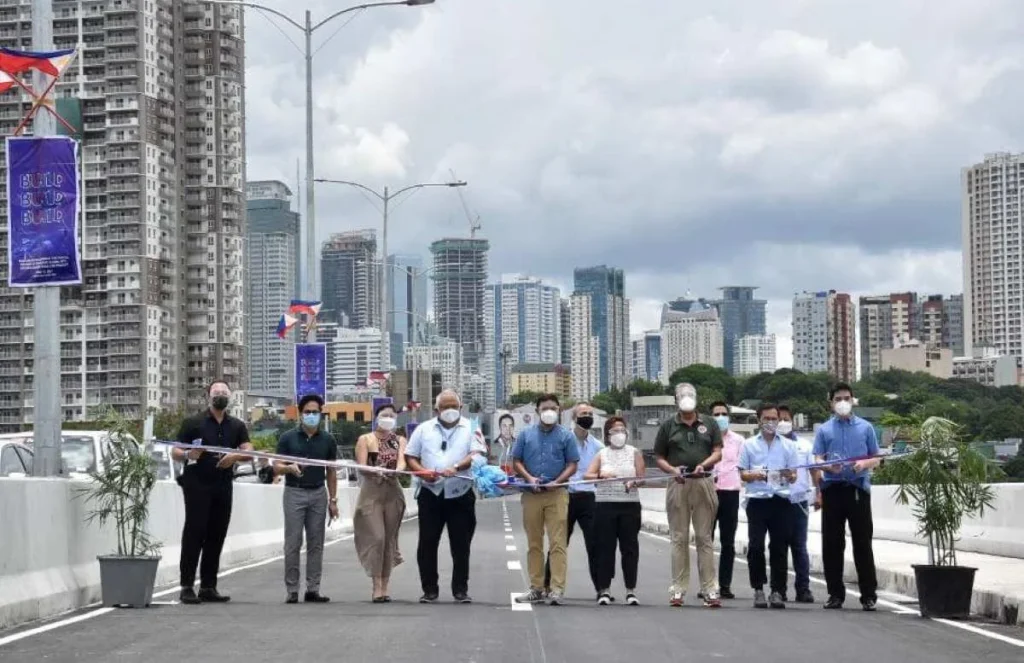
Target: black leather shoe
[
  {"x": 428, "y": 598},
  {"x": 212, "y": 596},
  {"x": 293, "y": 597},
  {"x": 833, "y": 603},
  {"x": 726, "y": 593},
  {"x": 315, "y": 597},
  {"x": 869, "y": 605},
  {"x": 188, "y": 596},
  {"x": 462, "y": 597}
]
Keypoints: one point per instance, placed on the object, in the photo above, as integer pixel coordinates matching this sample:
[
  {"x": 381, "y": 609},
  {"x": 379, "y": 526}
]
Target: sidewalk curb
[{"x": 1003, "y": 608}]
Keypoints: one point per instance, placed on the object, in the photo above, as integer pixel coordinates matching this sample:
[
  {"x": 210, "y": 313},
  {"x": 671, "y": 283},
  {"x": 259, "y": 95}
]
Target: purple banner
[
  {"x": 42, "y": 212},
  {"x": 409, "y": 428},
  {"x": 310, "y": 370},
  {"x": 376, "y": 403}
]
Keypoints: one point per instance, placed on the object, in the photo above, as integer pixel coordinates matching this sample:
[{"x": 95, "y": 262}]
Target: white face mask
[
  {"x": 386, "y": 423},
  {"x": 687, "y": 403},
  {"x": 549, "y": 417},
  {"x": 450, "y": 416},
  {"x": 784, "y": 428},
  {"x": 617, "y": 440},
  {"x": 843, "y": 408}
]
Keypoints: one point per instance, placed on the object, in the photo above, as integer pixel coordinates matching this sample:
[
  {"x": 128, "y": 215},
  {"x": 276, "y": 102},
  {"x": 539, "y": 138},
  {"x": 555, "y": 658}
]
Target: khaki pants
[
  {"x": 548, "y": 510},
  {"x": 693, "y": 501}
]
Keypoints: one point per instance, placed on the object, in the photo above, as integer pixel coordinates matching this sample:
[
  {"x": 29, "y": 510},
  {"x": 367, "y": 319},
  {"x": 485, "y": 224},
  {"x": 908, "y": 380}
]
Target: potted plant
[
  {"x": 120, "y": 494},
  {"x": 944, "y": 478}
]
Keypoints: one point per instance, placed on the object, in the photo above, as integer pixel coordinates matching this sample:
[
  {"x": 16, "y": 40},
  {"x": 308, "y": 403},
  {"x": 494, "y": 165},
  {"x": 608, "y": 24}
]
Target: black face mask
[
  {"x": 219, "y": 402},
  {"x": 585, "y": 422}
]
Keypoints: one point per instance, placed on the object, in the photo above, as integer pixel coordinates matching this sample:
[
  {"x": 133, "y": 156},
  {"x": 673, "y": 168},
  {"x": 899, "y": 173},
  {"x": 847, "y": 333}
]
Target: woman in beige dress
[{"x": 381, "y": 503}]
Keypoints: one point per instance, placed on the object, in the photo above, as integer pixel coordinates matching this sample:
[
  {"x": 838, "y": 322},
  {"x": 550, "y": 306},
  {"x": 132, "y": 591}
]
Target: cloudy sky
[{"x": 789, "y": 144}]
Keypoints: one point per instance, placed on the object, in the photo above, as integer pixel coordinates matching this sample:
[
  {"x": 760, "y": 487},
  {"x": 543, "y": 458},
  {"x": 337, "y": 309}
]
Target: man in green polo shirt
[
  {"x": 305, "y": 501},
  {"x": 690, "y": 443}
]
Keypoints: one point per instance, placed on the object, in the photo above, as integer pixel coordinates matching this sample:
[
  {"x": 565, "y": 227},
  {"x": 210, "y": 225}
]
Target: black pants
[
  {"x": 842, "y": 503},
  {"x": 617, "y": 524},
  {"x": 207, "y": 516},
  {"x": 727, "y": 519},
  {"x": 435, "y": 513},
  {"x": 771, "y": 516},
  {"x": 581, "y": 511}
]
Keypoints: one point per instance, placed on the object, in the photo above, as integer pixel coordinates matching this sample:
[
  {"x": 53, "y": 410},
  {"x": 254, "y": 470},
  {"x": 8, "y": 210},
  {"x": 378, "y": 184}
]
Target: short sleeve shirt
[
  {"x": 687, "y": 445},
  {"x": 320, "y": 446},
  {"x": 204, "y": 430}
]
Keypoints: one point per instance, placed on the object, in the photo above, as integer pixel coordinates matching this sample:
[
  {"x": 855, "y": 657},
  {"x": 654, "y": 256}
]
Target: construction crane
[{"x": 474, "y": 222}]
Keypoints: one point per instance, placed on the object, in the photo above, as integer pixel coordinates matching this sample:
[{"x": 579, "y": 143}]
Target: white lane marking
[
  {"x": 514, "y": 565},
  {"x": 519, "y": 607},
  {"x": 510, "y": 548},
  {"x": 49, "y": 627},
  {"x": 897, "y": 608},
  {"x": 164, "y": 603},
  {"x": 509, "y": 537},
  {"x": 508, "y": 530}
]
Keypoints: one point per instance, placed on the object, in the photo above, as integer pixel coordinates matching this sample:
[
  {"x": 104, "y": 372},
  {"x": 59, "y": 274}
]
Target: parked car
[
  {"x": 81, "y": 451},
  {"x": 15, "y": 459}
]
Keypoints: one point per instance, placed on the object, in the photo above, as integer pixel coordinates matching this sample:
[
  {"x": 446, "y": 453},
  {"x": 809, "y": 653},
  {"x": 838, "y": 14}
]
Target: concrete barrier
[
  {"x": 48, "y": 551},
  {"x": 999, "y": 532}
]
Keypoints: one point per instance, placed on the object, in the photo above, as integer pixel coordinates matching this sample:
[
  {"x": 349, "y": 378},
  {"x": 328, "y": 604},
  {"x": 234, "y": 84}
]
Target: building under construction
[{"x": 460, "y": 278}]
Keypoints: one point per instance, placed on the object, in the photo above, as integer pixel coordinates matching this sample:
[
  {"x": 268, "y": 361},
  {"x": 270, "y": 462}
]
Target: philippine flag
[
  {"x": 285, "y": 324},
  {"x": 54, "y": 63},
  {"x": 299, "y": 307}
]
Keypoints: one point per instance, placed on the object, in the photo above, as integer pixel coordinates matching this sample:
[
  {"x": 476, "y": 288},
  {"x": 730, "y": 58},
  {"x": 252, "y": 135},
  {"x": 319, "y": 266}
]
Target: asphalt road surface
[{"x": 257, "y": 626}]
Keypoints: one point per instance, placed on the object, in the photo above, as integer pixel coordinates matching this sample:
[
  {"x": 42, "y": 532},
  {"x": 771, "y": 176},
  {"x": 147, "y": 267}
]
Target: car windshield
[{"x": 78, "y": 453}]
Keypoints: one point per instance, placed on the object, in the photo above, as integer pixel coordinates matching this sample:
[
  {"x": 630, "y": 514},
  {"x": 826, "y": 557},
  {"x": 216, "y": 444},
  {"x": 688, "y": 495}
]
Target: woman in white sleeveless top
[{"x": 617, "y": 512}]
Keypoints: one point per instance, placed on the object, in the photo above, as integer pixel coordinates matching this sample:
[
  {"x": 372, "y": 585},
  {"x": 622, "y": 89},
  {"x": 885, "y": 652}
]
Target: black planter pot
[{"x": 944, "y": 592}]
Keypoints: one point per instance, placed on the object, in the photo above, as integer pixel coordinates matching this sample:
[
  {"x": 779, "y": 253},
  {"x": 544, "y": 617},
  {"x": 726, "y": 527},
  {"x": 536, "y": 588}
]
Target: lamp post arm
[
  {"x": 355, "y": 184},
  {"x": 253, "y": 5},
  {"x": 367, "y": 5},
  {"x": 426, "y": 184}
]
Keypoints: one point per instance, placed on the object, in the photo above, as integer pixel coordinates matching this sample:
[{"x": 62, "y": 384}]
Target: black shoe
[
  {"x": 776, "y": 600},
  {"x": 429, "y": 597},
  {"x": 869, "y": 605},
  {"x": 213, "y": 596},
  {"x": 188, "y": 596},
  {"x": 833, "y": 603},
  {"x": 726, "y": 594},
  {"x": 804, "y": 596},
  {"x": 461, "y": 597},
  {"x": 293, "y": 597},
  {"x": 315, "y": 597}
]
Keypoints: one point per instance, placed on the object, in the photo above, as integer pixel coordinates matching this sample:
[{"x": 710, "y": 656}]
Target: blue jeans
[{"x": 798, "y": 546}]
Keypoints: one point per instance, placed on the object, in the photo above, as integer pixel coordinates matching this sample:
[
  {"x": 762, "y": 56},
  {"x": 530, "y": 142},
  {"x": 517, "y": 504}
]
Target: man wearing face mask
[
  {"x": 546, "y": 454},
  {"x": 799, "y": 497},
  {"x": 581, "y": 496},
  {"x": 690, "y": 443},
  {"x": 206, "y": 483},
  {"x": 727, "y": 487},
  {"x": 305, "y": 502},
  {"x": 446, "y": 446},
  {"x": 844, "y": 495}
]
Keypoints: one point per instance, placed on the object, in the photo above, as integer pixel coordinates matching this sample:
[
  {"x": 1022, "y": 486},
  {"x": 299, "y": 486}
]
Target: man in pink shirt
[{"x": 727, "y": 485}]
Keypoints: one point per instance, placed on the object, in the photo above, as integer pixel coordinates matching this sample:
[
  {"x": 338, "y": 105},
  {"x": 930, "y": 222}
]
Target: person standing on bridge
[
  {"x": 206, "y": 483},
  {"x": 727, "y": 488},
  {"x": 306, "y": 504},
  {"x": 765, "y": 466},
  {"x": 690, "y": 443},
  {"x": 844, "y": 495},
  {"x": 800, "y": 495},
  {"x": 546, "y": 455},
  {"x": 446, "y": 445}
]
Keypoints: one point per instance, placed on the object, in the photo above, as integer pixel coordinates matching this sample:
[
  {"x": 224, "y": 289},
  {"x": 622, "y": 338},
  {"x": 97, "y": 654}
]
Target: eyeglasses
[{"x": 311, "y": 412}]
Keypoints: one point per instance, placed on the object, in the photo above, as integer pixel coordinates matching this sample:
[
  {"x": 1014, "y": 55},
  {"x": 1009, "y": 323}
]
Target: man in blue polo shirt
[
  {"x": 545, "y": 454},
  {"x": 844, "y": 495}
]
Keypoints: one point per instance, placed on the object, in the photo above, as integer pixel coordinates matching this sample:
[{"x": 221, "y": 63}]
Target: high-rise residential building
[
  {"x": 160, "y": 311},
  {"x": 351, "y": 279},
  {"x": 460, "y": 279},
  {"x": 407, "y": 302},
  {"x": 753, "y": 354},
  {"x": 438, "y": 355},
  {"x": 272, "y": 281},
  {"x": 604, "y": 290},
  {"x": 888, "y": 321},
  {"x": 942, "y": 322},
  {"x": 690, "y": 338},
  {"x": 741, "y": 315},
  {"x": 566, "y": 339},
  {"x": 585, "y": 349},
  {"x": 993, "y": 254},
  {"x": 825, "y": 334},
  {"x": 523, "y": 319},
  {"x": 646, "y": 356}
]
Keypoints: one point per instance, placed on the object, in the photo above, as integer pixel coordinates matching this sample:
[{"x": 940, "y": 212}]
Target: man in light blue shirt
[
  {"x": 446, "y": 445},
  {"x": 581, "y": 496},
  {"x": 764, "y": 465},
  {"x": 800, "y": 497}
]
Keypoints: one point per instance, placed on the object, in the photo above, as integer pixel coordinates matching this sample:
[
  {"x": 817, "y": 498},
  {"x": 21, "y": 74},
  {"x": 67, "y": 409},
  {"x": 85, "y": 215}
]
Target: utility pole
[{"x": 46, "y": 307}]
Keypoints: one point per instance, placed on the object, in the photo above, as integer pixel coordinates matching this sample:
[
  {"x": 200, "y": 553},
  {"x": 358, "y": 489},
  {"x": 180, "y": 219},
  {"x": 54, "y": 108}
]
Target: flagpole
[{"x": 46, "y": 309}]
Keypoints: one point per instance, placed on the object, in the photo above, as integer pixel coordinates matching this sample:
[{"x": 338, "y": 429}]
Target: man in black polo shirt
[
  {"x": 305, "y": 501},
  {"x": 206, "y": 484},
  {"x": 690, "y": 443}
]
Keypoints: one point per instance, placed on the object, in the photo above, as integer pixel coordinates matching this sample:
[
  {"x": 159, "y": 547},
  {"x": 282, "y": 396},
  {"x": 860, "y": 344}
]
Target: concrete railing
[
  {"x": 999, "y": 532},
  {"x": 48, "y": 551}
]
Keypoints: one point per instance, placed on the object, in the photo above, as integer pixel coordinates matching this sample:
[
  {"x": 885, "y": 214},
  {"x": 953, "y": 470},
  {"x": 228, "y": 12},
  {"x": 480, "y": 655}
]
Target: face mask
[
  {"x": 219, "y": 402},
  {"x": 687, "y": 403},
  {"x": 549, "y": 417},
  {"x": 585, "y": 422},
  {"x": 769, "y": 427},
  {"x": 385, "y": 423},
  {"x": 450, "y": 416},
  {"x": 311, "y": 419},
  {"x": 617, "y": 440},
  {"x": 843, "y": 408},
  {"x": 723, "y": 422},
  {"x": 784, "y": 428}
]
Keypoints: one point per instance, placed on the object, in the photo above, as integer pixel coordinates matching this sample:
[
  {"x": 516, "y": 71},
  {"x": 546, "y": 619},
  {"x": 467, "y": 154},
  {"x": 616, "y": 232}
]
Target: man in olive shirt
[
  {"x": 305, "y": 501},
  {"x": 690, "y": 443}
]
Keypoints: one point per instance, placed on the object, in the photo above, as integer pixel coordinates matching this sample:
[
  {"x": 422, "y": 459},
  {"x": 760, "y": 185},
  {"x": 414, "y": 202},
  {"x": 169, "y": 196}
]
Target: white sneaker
[
  {"x": 631, "y": 599},
  {"x": 604, "y": 599}
]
